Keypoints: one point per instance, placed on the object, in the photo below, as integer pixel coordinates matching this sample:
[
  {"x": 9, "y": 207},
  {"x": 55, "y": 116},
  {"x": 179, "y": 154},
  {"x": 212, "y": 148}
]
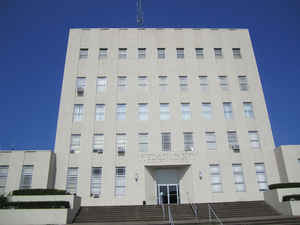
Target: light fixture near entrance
[
  {"x": 136, "y": 177},
  {"x": 200, "y": 175}
]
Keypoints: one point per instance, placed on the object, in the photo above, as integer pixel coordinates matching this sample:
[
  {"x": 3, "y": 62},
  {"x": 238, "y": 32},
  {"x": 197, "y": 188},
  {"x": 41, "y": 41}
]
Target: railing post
[
  {"x": 171, "y": 220},
  {"x": 162, "y": 206},
  {"x": 209, "y": 213}
]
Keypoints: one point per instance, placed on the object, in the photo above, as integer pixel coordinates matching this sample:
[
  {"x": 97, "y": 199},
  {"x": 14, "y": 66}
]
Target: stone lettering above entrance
[{"x": 167, "y": 158}]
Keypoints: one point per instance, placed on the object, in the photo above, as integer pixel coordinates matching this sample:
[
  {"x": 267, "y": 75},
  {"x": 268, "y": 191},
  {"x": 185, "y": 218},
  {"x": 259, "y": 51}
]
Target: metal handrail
[
  {"x": 194, "y": 206},
  {"x": 211, "y": 213},
  {"x": 171, "y": 220},
  {"x": 162, "y": 207},
  {"x": 195, "y": 209}
]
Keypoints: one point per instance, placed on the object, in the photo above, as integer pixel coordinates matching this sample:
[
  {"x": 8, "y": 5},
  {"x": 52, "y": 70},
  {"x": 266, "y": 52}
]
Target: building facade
[
  {"x": 172, "y": 115},
  {"x": 25, "y": 169},
  {"x": 288, "y": 162}
]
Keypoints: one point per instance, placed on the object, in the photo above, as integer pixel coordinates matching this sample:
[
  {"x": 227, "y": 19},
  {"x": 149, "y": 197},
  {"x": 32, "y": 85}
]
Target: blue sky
[{"x": 34, "y": 38}]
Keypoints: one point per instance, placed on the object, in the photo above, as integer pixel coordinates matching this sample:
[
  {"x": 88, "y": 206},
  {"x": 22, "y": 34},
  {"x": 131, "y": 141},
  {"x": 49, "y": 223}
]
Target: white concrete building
[
  {"x": 24, "y": 169},
  {"x": 174, "y": 111},
  {"x": 288, "y": 162}
]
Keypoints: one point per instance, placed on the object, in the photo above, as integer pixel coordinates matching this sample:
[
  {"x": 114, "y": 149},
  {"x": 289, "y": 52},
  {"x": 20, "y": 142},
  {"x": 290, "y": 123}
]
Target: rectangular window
[
  {"x": 218, "y": 52},
  {"x": 78, "y": 112},
  {"x": 199, "y": 53},
  {"x": 96, "y": 180},
  {"x": 3, "y": 178},
  {"x": 161, "y": 53},
  {"x": 103, "y": 53},
  {"x": 180, "y": 53},
  {"x": 121, "y": 111},
  {"x": 186, "y": 111},
  {"x": 203, "y": 83},
  {"x": 98, "y": 143},
  {"x": 26, "y": 177},
  {"x": 248, "y": 110},
  {"x": 100, "y": 112},
  {"x": 188, "y": 141},
  {"x": 183, "y": 83},
  {"x": 238, "y": 177},
  {"x": 206, "y": 110},
  {"x": 143, "y": 82},
  {"x": 101, "y": 84},
  {"x": 243, "y": 81},
  {"x": 215, "y": 176},
  {"x": 261, "y": 176},
  {"x": 224, "y": 83},
  {"x": 227, "y": 106},
  {"x": 254, "y": 139},
  {"x": 211, "y": 140},
  {"x": 164, "y": 111},
  {"x": 122, "y": 83},
  {"x": 141, "y": 53},
  {"x": 233, "y": 141},
  {"x": 121, "y": 140},
  {"x": 80, "y": 86},
  {"x": 163, "y": 83},
  {"x": 166, "y": 141},
  {"x": 236, "y": 53},
  {"x": 120, "y": 179},
  {"x": 143, "y": 142},
  {"x": 72, "y": 177},
  {"x": 122, "y": 53},
  {"x": 83, "y": 53},
  {"x": 143, "y": 111},
  {"x": 75, "y": 143}
]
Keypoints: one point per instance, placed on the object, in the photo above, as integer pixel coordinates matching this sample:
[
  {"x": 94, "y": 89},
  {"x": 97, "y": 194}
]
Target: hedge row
[
  {"x": 284, "y": 185},
  {"x": 36, "y": 205},
  {"x": 291, "y": 198},
  {"x": 40, "y": 192}
]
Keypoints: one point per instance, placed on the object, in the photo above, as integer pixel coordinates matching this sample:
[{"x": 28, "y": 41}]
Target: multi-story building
[{"x": 172, "y": 115}]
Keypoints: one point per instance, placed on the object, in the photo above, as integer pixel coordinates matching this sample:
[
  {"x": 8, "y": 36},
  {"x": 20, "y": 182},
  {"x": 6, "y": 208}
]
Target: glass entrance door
[{"x": 168, "y": 193}]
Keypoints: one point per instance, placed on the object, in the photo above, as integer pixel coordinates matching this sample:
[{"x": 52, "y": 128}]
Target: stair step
[{"x": 233, "y": 213}]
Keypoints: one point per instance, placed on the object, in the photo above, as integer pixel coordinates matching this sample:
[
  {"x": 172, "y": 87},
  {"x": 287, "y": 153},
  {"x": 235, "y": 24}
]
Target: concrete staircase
[
  {"x": 238, "y": 209},
  {"x": 119, "y": 213},
  {"x": 231, "y": 213}
]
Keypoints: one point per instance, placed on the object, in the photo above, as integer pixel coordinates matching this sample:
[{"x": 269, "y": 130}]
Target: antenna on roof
[{"x": 140, "y": 14}]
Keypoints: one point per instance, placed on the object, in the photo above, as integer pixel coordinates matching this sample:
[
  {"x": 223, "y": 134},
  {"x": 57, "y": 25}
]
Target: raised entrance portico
[{"x": 168, "y": 184}]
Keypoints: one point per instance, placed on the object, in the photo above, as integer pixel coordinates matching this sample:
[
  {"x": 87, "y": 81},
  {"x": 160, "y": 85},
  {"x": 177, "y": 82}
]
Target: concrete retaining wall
[{"x": 274, "y": 198}]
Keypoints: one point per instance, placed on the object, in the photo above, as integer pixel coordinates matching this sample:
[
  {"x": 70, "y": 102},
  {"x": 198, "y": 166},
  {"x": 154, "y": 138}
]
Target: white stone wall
[
  {"x": 274, "y": 198},
  {"x": 33, "y": 216},
  {"x": 43, "y": 168},
  {"x": 135, "y": 162},
  {"x": 288, "y": 162}
]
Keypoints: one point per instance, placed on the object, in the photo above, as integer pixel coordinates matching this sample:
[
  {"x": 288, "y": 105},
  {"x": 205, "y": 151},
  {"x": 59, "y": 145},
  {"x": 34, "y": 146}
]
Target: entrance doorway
[{"x": 168, "y": 193}]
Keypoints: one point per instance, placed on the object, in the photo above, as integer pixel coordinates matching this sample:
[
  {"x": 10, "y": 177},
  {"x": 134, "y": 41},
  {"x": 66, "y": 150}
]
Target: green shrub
[
  {"x": 291, "y": 198},
  {"x": 36, "y": 205},
  {"x": 40, "y": 192},
  {"x": 284, "y": 185}
]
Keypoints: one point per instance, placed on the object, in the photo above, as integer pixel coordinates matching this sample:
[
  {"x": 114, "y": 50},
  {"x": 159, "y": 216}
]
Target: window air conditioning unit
[
  {"x": 80, "y": 91},
  {"x": 121, "y": 150},
  {"x": 190, "y": 148},
  {"x": 100, "y": 150},
  {"x": 235, "y": 148},
  {"x": 95, "y": 195}
]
